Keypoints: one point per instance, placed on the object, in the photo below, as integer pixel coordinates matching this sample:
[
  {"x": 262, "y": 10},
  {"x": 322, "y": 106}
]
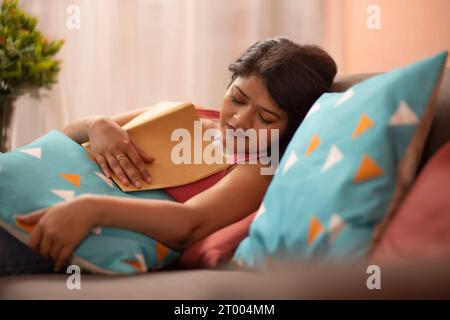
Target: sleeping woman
[{"x": 273, "y": 85}]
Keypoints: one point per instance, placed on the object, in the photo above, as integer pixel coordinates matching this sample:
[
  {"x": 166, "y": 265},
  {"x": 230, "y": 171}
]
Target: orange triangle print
[
  {"x": 135, "y": 264},
  {"x": 365, "y": 123},
  {"x": 315, "y": 142},
  {"x": 161, "y": 252},
  {"x": 315, "y": 228},
  {"x": 368, "y": 169},
  {"x": 24, "y": 226},
  {"x": 72, "y": 178}
]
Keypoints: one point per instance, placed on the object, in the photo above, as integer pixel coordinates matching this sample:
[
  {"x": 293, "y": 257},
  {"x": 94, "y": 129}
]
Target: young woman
[{"x": 273, "y": 85}]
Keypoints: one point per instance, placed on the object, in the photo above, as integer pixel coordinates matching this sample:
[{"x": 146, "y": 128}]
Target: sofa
[{"x": 424, "y": 278}]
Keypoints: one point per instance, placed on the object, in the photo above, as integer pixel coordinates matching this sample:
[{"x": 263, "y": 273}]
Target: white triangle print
[
  {"x": 347, "y": 95},
  {"x": 97, "y": 230},
  {"x": 314, "y": 108},
  {"x": 239, "y": 262},
  {"x": 107, "y": 180},
  {"x": 335, "y": 227},
  {"x": 35, "y": 152},
  {"x": 334, "y": 156},
  {"x": 65, "y": 194},
  {"x": 290, "y": 162},
  {"x": 403, "y": 116},
  {"x": 141, "y": 260},
  {"x": 261, "y": 210}
]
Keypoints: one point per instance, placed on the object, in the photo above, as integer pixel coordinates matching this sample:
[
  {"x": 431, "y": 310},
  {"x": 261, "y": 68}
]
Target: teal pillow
[
  {"x": 345, "y": 170},
  {"x": 55, "y": 168}
]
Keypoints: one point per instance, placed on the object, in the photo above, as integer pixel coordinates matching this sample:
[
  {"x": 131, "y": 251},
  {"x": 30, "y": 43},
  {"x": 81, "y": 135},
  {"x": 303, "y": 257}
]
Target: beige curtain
[{"x": 134, "y": 53}]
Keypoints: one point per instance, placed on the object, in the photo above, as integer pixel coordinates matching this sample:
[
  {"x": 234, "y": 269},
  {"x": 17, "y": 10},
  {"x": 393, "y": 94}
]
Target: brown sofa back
[{"x": 440, "y": 130}]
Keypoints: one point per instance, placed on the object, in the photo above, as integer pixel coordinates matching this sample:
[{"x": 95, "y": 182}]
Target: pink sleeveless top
[{"x": 187, "y": 191}]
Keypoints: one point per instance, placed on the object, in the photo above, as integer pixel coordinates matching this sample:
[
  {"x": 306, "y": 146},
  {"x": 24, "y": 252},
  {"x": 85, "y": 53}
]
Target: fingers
[
  {"x": 124, "y": 170},
  {"x": 55, "y": 250},
  {"x": 45, "y": 246},
  {"x": 32, "y": 217},
  {"x": 58, "y": 252},
  {"x": 137, "y": 161},
  {"x": 144, "y": 156},
  {"x": 117, "y": 169},
  {"x": 131, "y": 168},
  {"x": 63, "y": 258},
  {"x": 130, "y": 171},
  {"x": 35, "y": 238},
  {"x": 103, "y": 164}
]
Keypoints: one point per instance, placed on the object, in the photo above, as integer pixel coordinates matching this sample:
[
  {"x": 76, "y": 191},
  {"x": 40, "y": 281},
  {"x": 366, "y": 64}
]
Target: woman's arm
[
  {"x": 178, "y": 225},
  {"x": 78, "y": 129},
  {"x": 59, "y": 229}
]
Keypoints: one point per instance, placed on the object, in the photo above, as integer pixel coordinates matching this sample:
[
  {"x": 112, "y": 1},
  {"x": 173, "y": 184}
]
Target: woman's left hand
[{"x": 59, "y": 229}]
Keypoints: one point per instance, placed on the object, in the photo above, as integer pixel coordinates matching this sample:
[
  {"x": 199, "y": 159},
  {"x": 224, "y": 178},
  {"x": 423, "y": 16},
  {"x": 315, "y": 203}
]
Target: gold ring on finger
[{"x": 120, "y": 157}]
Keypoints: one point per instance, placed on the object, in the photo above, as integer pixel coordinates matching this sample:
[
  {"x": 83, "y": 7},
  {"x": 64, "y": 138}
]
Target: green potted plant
[{"x": 26, "y": 62}]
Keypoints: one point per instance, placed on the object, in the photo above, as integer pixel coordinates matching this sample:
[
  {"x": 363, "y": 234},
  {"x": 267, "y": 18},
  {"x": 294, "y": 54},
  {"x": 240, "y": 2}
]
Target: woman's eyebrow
[{"x": 265, "y": 109}]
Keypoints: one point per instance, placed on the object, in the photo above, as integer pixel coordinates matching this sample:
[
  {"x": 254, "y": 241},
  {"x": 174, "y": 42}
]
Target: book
[{"x": 152, "y": 131}]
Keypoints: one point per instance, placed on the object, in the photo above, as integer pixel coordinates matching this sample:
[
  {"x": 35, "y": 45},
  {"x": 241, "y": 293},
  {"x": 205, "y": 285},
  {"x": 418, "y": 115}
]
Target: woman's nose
[{"x": 243, "y": 118}]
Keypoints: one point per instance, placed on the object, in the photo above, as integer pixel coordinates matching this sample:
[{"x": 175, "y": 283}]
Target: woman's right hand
[{"x": 107, "y": 141}]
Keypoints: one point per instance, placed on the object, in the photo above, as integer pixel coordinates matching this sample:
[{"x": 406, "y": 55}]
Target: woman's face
[{"x": 247, "y": 104}]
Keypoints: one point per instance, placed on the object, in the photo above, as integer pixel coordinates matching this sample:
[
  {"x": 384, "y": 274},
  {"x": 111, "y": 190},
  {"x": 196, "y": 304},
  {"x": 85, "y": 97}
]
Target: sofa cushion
[
  {"x": 217, "y": 248},
  {"x": 346, "y": 169},
  {"x": 421, "y": 227},
  {"x": 159, "y": 285}
]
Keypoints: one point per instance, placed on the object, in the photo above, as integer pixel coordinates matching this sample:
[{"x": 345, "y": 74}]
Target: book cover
[{"x": 152, "y": 132}]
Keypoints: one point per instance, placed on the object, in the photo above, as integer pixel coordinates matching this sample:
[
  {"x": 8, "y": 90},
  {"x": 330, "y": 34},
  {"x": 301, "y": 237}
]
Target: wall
[{"x": 410, "y": 30}]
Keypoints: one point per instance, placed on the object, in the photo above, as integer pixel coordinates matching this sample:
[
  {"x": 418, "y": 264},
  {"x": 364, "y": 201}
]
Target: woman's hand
[
  {"x": 107, "y": 141},
  {"x": 59, "y": 229}
]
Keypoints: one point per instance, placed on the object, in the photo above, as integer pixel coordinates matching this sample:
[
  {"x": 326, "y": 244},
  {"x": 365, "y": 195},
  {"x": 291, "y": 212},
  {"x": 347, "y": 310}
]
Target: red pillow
[
  {"x": 420, "y": 230},
  {"x": 218, "y": 247}
]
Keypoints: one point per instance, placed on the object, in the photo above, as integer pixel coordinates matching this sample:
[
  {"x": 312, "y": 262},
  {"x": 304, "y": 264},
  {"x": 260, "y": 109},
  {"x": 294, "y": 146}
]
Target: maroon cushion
[
  {"x": 420, "y": 230},
  {"x": 217, "y": 248}
]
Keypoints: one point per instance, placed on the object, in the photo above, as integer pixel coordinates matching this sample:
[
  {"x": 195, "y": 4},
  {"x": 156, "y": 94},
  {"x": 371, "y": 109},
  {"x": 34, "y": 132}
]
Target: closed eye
[
  {"x": 233, "y": 98},
  {"x": 264, "y": 120}
]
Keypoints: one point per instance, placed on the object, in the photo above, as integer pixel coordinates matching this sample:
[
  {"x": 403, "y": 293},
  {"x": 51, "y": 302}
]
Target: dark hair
[{"x": 295, "y": 76}]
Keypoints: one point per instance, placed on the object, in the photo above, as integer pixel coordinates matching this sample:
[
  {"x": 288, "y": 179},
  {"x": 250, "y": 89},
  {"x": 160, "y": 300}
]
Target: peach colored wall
[{"x": 410, "y": 30}]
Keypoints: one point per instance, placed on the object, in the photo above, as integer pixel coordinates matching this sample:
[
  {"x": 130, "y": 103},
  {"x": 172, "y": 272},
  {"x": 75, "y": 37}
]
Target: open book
[{"x": 152, "y": 131}]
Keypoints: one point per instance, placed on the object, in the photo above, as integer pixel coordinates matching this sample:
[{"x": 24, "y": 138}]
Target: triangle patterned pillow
[
  {"x": 345, "y": 171},
  {"x": 54, "y": 168}
]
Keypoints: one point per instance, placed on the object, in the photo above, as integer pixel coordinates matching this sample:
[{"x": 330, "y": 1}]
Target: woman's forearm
[
  {"x": 78, "y": 130},
  {"x": 168, "y": 222}
]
